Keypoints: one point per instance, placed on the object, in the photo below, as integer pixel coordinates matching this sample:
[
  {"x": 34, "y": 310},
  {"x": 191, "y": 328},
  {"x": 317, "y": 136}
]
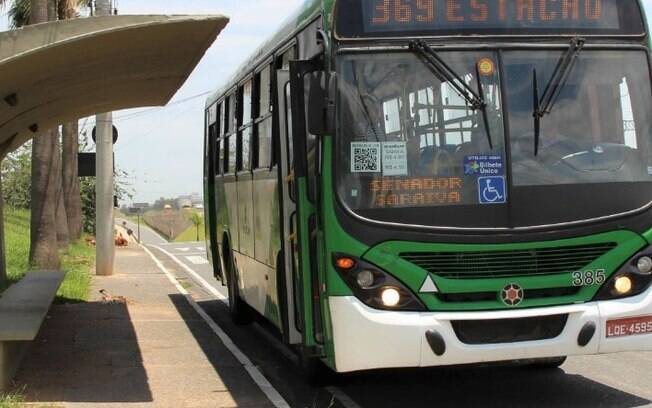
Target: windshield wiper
[
  {"x": 544, "y": 105},
  {"x": 445, "y": 73}
]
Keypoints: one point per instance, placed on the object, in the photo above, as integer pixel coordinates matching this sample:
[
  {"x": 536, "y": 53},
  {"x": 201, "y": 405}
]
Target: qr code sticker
[{"x": 365, "y": 157}]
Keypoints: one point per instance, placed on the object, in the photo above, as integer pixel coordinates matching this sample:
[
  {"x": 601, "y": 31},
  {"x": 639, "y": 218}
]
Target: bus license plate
[{"x": 629, "y": 327}]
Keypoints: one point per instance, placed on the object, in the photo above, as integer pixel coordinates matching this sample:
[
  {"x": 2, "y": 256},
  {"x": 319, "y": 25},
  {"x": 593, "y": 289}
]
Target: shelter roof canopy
[{"x": 55, "y": 72}]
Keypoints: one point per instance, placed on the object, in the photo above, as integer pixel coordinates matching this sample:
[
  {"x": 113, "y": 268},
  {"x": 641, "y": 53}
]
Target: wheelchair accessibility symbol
[{"x": 492, "y": 190}]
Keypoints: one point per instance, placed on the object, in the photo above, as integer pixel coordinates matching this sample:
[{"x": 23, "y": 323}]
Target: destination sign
[
  {"x": 415, "y": 192},
  {"x": 450, "y": 17}
]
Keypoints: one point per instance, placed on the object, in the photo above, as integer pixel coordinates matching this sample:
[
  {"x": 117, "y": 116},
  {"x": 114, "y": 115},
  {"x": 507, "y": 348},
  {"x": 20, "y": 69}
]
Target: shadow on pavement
[
  {"x": 483, "y": 387},
  {"x": 236, "y": 380},
  {"x": 85, "y": 352}
]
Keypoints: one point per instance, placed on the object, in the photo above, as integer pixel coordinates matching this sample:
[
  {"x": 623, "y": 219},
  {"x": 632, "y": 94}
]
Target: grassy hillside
[
  {"x": 16, "y": 242},
  {"x": 190, "y": 235},
  {"x": 77, "y": 261}
]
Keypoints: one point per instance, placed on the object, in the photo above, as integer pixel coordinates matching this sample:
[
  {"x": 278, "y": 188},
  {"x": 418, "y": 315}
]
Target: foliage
[
  {"x": 16, "y": 171},
  {"x": 196, "y": 232},
  {"x": 87, "y": 190},
  {"x": 17, "y": 243},
  {"x": 12, "y": 400},
  {"x": 197, "y": 220},
  {"x": 77, "y": 262},
  {"x": 19, "y": 10}
]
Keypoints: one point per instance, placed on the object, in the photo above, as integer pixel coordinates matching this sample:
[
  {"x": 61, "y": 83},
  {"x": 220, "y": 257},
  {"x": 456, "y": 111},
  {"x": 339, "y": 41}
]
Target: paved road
[{"x": 621, "y": 380}]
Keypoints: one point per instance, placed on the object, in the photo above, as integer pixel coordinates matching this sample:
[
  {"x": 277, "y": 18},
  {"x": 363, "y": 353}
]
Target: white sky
[{"x": 163, "y": 149}]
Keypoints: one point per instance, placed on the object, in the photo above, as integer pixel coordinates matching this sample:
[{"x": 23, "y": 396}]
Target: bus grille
[
  {"x": 476, "y": 332},
  {"x": 503, "y": 264}
]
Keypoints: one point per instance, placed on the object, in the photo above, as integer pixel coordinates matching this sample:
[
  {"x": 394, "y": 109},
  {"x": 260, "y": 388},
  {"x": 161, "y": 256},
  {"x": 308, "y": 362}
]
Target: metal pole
[{"x": 104, "y": 187}]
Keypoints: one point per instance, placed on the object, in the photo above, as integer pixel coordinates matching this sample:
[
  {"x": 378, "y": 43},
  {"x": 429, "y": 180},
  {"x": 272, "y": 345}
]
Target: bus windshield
[
  {"x": 408, "y": 139},
  {"x": 598, "y": 130}
]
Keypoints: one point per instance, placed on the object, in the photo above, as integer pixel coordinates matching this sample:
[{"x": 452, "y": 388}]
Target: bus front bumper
[{"x": 366, "y": 338}]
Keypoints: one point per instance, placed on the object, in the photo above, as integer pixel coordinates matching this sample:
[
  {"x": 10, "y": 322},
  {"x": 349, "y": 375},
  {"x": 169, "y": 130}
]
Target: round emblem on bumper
[{"x": 512, "y": 295}]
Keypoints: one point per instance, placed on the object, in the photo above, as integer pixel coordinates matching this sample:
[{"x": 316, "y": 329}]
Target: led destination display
[{"x": 386, "y": 17}]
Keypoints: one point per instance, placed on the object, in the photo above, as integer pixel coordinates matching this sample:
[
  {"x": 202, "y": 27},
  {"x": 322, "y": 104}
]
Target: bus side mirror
[{"x": 321, "y": 109}]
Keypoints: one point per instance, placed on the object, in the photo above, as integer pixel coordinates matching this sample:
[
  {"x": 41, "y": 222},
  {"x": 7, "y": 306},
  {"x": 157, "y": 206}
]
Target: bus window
[
  {"x": 264, "y": 120},
  {"x": 222, "y": 156},
  {"x": 597, "y": 130},
  {"x": 214, "y": 137},
  {"x": 226, "y": 117},
  {"x": 232, "y": 143},
  {"x": 288, "y": 124},
  {"x": 245, "y": 121}
]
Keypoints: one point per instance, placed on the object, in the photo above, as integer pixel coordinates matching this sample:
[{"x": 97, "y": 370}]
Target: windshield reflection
[{"x": 408, "y": 138}]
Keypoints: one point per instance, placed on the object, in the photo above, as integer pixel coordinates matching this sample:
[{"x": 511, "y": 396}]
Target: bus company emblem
[{"x": 512, "y": 295}]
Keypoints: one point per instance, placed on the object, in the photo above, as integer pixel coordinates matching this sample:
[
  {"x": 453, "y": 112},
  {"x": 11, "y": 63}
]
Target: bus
[{"x": 416, "y": 183}]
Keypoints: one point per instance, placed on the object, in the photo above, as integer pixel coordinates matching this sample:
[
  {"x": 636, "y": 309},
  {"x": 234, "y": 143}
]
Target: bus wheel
[
  {"x": 548, "y": 363},
  {"x": 240, "y": 313}
]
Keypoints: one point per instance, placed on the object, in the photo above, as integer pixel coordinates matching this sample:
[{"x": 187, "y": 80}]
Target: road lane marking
[
  {"x": 197, "y": 260},
  {"x": 344, "y": 399},
  {"x": 182, "y": 249},
  {"x": 265, "y": 386},
  {"x": 200, "y": 248},
  {"x": 207, "y": 286}
]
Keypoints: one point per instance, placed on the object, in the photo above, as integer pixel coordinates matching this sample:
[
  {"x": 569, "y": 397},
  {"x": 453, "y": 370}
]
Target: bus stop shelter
[{"x": 60, "y": 71}]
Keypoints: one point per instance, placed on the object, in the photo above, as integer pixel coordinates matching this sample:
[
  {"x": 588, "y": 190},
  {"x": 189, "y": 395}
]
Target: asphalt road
[{"x": 619, "y": 380}]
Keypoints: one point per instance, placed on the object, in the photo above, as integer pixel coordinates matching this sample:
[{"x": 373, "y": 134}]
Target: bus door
[
  {"x": 304, "y": 171},
  {"x": 289, "y": 290}
]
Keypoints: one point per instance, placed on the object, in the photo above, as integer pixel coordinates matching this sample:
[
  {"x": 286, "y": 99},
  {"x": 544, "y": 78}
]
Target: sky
[{"x": 162, "y": 149}]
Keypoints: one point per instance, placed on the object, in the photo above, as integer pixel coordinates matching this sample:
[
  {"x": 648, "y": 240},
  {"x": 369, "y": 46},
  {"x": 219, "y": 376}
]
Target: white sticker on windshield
[
  {"x": 395, "y": 159},
  {"x": 365, "y": 157}
]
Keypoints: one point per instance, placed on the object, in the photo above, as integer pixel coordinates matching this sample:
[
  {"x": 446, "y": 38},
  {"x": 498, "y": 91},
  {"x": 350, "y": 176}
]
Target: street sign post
[{"x": 138, "y": 209}]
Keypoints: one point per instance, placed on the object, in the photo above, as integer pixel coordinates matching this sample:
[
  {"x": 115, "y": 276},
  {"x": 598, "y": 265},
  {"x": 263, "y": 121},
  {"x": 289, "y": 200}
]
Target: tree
[
  {"x": 197, "y": 220},
  {"x": 70, "y": 181},
  {"x": 16, "y": 170}
]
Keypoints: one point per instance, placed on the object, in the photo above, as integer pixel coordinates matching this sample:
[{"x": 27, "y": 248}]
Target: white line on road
[
  {"x": 197, "y": 260},
  {"x": 182, "y": 249},
  {"x": 200, "y": 248},
  {"x": 338, "y": 393},
  {"x": 207, "y": 286},
  {"x": 265, "y": 386}
]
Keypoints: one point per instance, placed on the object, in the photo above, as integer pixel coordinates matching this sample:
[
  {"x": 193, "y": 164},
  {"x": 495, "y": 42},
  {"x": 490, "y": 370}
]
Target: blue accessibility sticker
[
  {"x": 492, "y": 190},
  {"x": 484, "y": 165}
]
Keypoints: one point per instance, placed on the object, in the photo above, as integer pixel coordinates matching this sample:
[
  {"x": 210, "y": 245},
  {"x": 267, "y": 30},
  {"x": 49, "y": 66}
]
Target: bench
[{"x": 23, "y": 308}]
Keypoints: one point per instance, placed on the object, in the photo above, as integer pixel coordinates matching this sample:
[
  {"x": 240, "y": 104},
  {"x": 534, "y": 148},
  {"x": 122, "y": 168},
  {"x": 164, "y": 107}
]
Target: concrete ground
[{"x": 140, "y": 343}]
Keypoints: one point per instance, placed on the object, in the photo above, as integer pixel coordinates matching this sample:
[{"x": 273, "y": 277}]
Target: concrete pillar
[
  {"x": 104, "y": 222},
  {"x": 104, "y": 195}
]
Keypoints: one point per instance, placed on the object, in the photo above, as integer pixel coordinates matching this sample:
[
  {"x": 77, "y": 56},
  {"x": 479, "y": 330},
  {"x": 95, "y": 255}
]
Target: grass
[
  {"x": 77, "y": 260},
  {"x": 11, "y": 400},
  {"x": 16, "y": 243},
  {"x": 190, "y": 235}
]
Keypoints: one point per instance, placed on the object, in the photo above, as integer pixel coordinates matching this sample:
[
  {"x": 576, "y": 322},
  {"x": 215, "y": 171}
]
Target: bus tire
[
  {"x": 238, "y": 309},
  {"x": 548, "y": 363}
]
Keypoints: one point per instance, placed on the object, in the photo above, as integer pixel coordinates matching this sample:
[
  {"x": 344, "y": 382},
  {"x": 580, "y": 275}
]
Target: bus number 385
[{"x": 589, "y": 278}]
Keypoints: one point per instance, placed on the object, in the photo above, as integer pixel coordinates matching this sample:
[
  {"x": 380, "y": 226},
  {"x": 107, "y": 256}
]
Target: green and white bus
[{"x": 413, "y": 183}]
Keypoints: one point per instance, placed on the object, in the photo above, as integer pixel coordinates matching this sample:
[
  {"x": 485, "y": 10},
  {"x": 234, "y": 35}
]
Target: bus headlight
[
  {"x": 644, "y": 265},
  {"x": 633, "y": 278},
  {"x": 390, "y": 297},
  {"x": 375, "y": 287}
]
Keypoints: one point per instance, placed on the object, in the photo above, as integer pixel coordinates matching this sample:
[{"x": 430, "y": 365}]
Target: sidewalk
[{"x": 145, "y": 347}]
